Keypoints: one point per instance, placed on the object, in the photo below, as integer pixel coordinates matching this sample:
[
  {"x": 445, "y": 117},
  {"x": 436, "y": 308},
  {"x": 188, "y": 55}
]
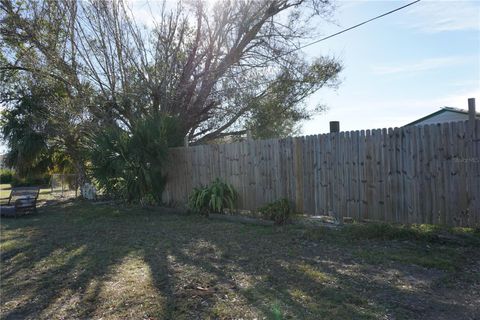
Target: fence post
[
  {"x": 298, "y": 173},
  {"x": 334, "y": 126},
  {"x": 471, "y": 114},
  {"x": 472, "y": 163}
]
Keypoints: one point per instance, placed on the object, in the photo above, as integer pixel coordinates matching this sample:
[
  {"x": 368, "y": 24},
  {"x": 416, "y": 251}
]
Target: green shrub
[
  {"x": 6, "y": 175},
  {"x": 280, "y": 211},
  {"x": 213, "y": 198},
  {"x": 36, "y": 180}
]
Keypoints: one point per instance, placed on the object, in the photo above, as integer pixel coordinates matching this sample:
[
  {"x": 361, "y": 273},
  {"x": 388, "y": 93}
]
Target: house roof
[{"x": 442, "y": 110}]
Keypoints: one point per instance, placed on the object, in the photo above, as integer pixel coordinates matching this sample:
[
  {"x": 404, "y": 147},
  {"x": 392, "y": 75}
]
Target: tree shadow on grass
[
  {"x": 85, "y": 261},
  {"x": 320, "y": 289},
  {"x": 63, "y": 261},
  {"x": 274, "y": 284}
]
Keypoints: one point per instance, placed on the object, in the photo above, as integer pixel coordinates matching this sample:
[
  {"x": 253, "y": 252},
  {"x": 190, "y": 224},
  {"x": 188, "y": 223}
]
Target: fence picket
[{"x": 422, "y": 174}]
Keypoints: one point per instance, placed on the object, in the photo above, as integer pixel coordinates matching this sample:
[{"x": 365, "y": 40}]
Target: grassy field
[{"x": 84, "y": 261}]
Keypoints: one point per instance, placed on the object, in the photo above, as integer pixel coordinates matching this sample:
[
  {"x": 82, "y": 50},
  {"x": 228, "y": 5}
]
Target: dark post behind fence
[
  {"x": 334, "y": 126},
  {"x": 471, "y": 111}
]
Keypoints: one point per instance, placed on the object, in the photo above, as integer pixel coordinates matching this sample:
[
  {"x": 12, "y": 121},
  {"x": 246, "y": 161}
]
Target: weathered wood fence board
[{"x": 418, "y": 174}]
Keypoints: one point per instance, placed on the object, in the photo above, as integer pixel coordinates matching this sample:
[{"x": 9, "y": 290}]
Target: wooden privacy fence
[{"x": 415, "y": 174}]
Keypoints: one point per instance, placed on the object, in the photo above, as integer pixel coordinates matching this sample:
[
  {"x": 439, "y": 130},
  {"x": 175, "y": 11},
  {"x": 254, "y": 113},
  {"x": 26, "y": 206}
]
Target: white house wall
[{"x": 446, "y": 116}]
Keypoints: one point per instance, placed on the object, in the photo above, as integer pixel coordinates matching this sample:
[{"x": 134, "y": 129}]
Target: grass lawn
[{"x": 84, "y": 261}]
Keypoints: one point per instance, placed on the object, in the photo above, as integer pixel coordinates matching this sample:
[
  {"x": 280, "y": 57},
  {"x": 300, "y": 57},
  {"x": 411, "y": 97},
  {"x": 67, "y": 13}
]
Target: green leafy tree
[
  {"x": 28, "y": 131},
  {"x": 279, "y": 110},
  {"x": 41, "y": 133}
]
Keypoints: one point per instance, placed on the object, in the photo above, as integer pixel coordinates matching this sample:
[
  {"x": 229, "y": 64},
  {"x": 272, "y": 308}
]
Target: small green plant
[
  {"x": 280, "y": 211},
  {"x": 276, "y": 312},
  {"x": 6, "y": 175},
  {"x": 213, "y": 198}
]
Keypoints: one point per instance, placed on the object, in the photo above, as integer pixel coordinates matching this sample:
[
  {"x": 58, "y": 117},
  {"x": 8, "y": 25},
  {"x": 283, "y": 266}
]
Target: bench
[{"x": 22, "y": 200}]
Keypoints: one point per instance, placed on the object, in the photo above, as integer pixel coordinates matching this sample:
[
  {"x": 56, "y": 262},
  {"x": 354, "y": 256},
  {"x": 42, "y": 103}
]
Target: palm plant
[{"x": 131, "y": 165}]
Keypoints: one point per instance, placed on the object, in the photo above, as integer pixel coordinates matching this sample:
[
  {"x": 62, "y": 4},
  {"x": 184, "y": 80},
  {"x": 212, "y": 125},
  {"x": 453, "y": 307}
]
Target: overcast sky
[{"x": 400, "y": 67}]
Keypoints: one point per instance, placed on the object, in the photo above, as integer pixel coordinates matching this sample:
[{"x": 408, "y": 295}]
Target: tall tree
[
  {"x": 217, "y": 69},
  {"x": 205, "y": 65}
]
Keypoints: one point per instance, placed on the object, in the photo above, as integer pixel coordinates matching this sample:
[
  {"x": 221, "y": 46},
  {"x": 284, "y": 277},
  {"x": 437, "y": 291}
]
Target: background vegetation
[{"x": 70, "y": 70}]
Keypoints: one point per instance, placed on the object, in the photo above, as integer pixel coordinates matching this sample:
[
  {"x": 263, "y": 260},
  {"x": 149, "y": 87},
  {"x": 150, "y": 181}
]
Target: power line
[
  {"x": 336, "y": 34},
  {"x": 353, "y": 27},
  {"x": 344, "y": 30}
]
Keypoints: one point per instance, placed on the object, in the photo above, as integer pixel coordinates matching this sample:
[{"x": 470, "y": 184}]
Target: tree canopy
[{"x": 217, "y": 68}]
